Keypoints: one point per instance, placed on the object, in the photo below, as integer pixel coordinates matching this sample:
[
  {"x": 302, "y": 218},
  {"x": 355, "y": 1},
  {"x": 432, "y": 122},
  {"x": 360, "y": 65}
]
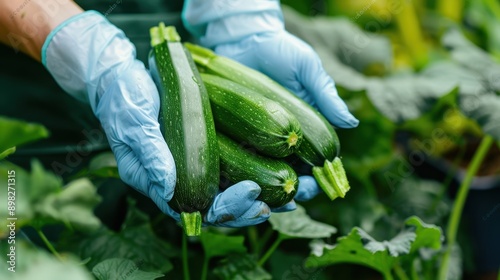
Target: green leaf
[
  {"x": 357, "y": 248},
  {"x": 479, "y": 83},
  {"x": 7, "y": 152},
  {"x": 240, "y": 267},
  {"x": 220, "y": 245},
  {"x": 428, "y": 236},
  {"x": 345, "y": 50},
  {"x": 23, "y": 204},
  {"x": 414, "y": 196},
  {"x": 297, "y": 224},
  {"x": 73, "y": 205},
  {"x": 115, "y": 268},
  {"x": 34, "y": 263},
  {"x": 41, "y": 199},
  {"x": 407, "y": 97},
  {"x": 136, "y": 241},
  {"x": 104, "y": 165},
  {"x": 360, "y": 248},
  {"x": 15, "y": 133}
]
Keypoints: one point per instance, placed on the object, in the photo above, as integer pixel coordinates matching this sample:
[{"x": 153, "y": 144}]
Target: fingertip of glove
[
  {"x": 265, "y": 211},
  {"x": 290, "y": 206},
  {"x": 251, "y": 188},
  {"x": 308, "y": 188}
]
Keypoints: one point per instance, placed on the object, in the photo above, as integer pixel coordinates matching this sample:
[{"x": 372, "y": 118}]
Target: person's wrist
[{"x": 25, "y": 25}]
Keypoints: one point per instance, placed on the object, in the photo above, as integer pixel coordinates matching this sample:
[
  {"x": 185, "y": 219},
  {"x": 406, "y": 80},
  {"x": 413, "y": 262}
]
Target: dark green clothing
[{"x": 28, "y": 92}]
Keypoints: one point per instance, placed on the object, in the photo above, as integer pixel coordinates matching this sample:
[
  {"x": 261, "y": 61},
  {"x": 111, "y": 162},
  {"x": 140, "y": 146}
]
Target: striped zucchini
[
  {"x": 276, "y": 179},
  {"x": 320, "y": 145},
  {"x": 187, "y": 126},
  {"x": 247, "y": 116}
]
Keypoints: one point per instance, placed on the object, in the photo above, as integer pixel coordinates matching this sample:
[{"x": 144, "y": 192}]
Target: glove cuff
[
  {"x": 85, "y": 54},
  {"x": 226, "y": 21}
]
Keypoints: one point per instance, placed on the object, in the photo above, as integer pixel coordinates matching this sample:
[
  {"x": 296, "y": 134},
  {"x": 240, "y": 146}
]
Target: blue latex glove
[
  {"x": 252, "y": 32},
  {"x": 93, "y": 61}
]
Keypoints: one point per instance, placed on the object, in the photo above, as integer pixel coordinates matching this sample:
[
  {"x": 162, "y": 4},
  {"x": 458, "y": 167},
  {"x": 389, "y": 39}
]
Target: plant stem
[
  {"x": 451, "y": 233},
  {"x": 400, "y": 271},
  {"x": 494, "y": 7},
  {"x": 48, "y": 244},
  {"x": 410, "y": 33},
  {"x": 185, "y": 264},
  {"x": 253, "y": 237},
  {"x": 271, "y": 250},
  {"x": 451, "y": 9},
  {"x": 388, "y": 276},
  {"x": 204, "y": 270},
  {"x": 264, "y": 239},
  {"x": 414, "y": 273},
  {"x": 447, "y": 181}
]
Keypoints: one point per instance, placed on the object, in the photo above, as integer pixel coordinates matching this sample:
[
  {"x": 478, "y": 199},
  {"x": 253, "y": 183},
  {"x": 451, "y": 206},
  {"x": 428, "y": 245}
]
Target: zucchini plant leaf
[
  {"x": 216, "y": 245},
  {"x": 15, "y": 133},
  {"x": 240, "y": 267},
  {"x": 427, "y": 235},
  {"x": 73, "y": 206},
  {"x": 406, "y": 97},
  {"x": 481, "y": 16},
  {"x": 297, "y": 224},
  {"x": 136, "y": 242},
  {"x": 104, "y": 165},
  {"x": 358, "y": 247},
  {"x": 115, "y": 268},
  {"x": 7, "y": 152},
  {"x": 42, "y": 199},
  {"x": 34, "y": 263},
  {"x": 346, "y": 51},
  {"x": 414, "y": 196},
  {"x": 479, "y": 83}
]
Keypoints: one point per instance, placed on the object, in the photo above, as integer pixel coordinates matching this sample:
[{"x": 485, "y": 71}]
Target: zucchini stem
[
  {"x": 170, "y": 33},
  {"x": 332, "y": 178},
  {"x": 456, "y": 214},
  {"x": 271, "y": 250},
  {"x": 204, "y": 270},
  {"x": 185, "y": 264},
  {"x": 253, "y": 237},
  {"x": 201, "y": 55},
  {"x": 191, "y": 222},
  {"x": 400, "y": 271}
]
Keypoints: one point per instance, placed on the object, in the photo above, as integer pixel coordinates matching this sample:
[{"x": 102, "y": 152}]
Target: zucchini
[
  {"x": 277, "y": 180},
  {"x": 320, "y": 145},
  {"x": 187, "y": 126},
  {"x": 247, "y": 116}
]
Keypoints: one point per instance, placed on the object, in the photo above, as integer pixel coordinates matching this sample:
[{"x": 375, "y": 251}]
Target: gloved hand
[
  {"x": 93, "y": 61},
  {"x": 252, "y": 32}
]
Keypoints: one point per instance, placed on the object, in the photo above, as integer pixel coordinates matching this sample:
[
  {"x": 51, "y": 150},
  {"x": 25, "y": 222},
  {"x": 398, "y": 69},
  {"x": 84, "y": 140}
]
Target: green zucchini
[
  {"x": 188, "y": 128},
  {"x": 277, "y": 180},
  {"x": 247, "y": 116},
  {"x": 320, "y": 145}
]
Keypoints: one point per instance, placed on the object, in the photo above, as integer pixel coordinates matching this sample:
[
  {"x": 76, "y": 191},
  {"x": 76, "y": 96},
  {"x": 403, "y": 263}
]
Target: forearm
[{"x": 25, "y": 24}]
